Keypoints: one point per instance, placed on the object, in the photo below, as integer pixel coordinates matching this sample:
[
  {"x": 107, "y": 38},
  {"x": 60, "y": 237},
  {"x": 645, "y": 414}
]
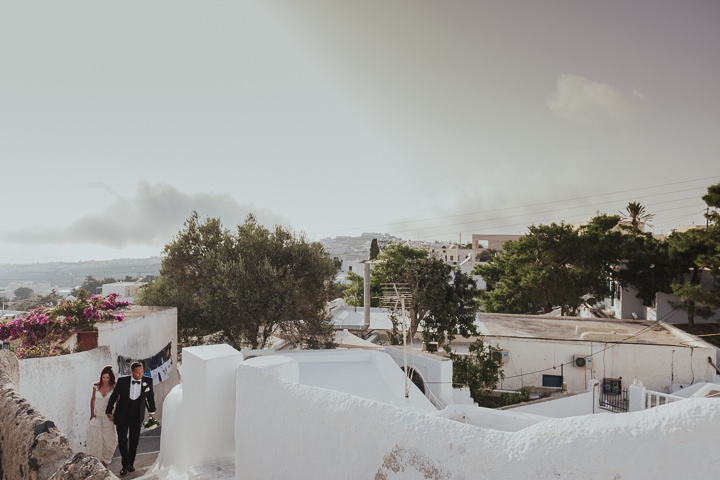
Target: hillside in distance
[{"x": 71, "y": 274}]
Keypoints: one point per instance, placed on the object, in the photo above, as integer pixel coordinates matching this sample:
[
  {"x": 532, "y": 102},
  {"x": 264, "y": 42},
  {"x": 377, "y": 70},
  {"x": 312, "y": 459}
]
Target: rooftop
[{"x": 581, "y": 329}]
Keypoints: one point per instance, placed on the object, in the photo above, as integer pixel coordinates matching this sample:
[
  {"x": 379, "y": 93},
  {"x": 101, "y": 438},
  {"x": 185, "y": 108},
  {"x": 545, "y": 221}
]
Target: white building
[
  {"x": 127, "y": 291},
  {"x": 555, "y": 351},
  {"x": 343, "y": 414},
  {"x": 626, "y": 304}
]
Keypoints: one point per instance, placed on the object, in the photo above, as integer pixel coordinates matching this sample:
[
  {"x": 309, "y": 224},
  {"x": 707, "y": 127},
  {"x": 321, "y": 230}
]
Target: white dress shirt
[{"x": 135, "y": 388}]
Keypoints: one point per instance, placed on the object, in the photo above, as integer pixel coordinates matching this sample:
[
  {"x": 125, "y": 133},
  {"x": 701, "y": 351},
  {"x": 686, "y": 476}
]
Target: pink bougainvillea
[{"x": 39, "y": 333}]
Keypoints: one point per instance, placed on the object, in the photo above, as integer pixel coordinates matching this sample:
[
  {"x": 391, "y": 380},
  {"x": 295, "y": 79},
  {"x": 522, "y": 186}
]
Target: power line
[{"x": 528, "y": 206}]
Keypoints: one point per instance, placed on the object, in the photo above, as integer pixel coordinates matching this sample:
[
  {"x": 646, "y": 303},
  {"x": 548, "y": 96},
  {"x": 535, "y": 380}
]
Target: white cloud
[
  {"x": 587, "y": 102},
  {"x": 150, "y": 217}
]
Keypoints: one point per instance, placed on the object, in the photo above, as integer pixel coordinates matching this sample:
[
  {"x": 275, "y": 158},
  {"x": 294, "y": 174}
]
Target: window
[{"x": 552, "y": 381}]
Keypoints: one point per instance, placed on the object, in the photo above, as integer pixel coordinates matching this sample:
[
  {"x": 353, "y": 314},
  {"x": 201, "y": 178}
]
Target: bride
[{"x": 101, "y": 435}]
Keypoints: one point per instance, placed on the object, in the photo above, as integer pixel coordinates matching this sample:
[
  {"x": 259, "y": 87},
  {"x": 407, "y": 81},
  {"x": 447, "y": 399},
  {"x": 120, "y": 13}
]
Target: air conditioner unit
[
  {"x": 501, "y": 356},
  {"x": 583, "y": 361}
]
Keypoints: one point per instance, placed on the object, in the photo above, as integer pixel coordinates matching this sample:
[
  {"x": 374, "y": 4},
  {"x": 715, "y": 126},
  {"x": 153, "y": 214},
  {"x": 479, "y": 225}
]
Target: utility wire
[{"x": 526, "y": 206}]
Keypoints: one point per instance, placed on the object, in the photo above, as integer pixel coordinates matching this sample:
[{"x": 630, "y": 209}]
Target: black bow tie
[{"x": 136, "y": 381}]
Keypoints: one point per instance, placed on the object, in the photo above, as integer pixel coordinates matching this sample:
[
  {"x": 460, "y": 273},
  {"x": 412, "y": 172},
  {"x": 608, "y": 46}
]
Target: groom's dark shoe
[
  {"x": 131, "y": 468},
  {"x": 123, "y": 471}
]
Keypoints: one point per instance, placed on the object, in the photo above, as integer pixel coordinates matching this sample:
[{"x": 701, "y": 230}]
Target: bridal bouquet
[{"x": 151, "y": 424}]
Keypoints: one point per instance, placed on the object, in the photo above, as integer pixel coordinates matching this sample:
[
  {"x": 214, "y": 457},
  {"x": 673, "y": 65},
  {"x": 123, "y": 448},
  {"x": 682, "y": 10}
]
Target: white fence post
[{"x": 636, "y": 394}]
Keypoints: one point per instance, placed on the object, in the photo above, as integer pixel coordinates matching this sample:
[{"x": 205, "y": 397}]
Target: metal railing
[
  {"x": 654, "y": 399},
  {"x": 613, "y": 397}
]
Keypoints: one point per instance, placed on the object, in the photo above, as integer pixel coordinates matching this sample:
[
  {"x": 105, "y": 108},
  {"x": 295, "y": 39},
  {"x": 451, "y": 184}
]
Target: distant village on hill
[{"x": 42, "y": 278}]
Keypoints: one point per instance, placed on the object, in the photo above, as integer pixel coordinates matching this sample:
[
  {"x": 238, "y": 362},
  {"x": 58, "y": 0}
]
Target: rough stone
[{"x": 83, "y": 466}]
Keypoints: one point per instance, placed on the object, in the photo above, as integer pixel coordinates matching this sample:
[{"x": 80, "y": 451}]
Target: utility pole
[{"x": 394, "y": 293}]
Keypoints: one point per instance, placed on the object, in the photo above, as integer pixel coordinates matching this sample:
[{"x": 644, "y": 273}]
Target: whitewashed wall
[
  {"x": 629, "y": 304},
  {"x": 660, "y": 367},
  {"x": 61, "y": 388},
  {"x": 436, "y": 371},
  {"x": 144, "y": 334},
  {"x": 574, "y": 405},
  {"x": 287, "y": 430}
]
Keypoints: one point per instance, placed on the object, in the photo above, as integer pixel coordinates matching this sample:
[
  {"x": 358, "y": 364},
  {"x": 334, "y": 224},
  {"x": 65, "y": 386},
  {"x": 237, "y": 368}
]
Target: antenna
[{"x": 394, "y": 293}]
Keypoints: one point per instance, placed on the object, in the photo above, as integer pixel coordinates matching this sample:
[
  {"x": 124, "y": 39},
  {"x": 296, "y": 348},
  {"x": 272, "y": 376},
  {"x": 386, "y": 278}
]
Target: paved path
[{"x": 147, "y": 452}]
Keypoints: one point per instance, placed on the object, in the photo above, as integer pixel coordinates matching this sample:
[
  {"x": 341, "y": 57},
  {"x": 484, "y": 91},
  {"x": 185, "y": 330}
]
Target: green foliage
[
  {"x": 505, "y": 398},
  {"x": 712, "y": 200},
  {"x": 246, "y": 285},
  {"x": 23, "y": 293},
  {"x": 92, "y": 285},
  {"x": 636, "y": 214},
  {"x": 486, "y": 254},
  {"x": 553, "y": 265},
  {"x": 336, "y": 290},
  {"x": 337, "y": 263},
  {"x": 49, "y": 300},
  {"x": 695, "y": 253},
  {"x": 480, "y": 369},
  {"x": 645, "y": 265},
  {"x": 41, "y": 332},
  {"x": 443, "y": 298},
  {"x": 354, "y": 292},
  {"x": 374, "y": 249}
]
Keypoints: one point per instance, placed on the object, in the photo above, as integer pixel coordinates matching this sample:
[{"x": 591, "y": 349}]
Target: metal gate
[{"x": 612, "y": 396}]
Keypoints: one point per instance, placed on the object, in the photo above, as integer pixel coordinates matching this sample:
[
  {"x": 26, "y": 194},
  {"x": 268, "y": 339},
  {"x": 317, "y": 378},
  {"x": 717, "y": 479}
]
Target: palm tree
[{"x": 636, "y": 214}]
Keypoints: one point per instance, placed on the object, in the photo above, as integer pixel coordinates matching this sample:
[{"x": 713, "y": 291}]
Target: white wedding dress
[{"x": 101, "y": 434}]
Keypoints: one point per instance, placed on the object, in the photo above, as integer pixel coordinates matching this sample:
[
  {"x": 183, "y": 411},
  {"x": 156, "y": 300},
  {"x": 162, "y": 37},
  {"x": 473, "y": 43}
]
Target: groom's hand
[{"x": 111, "y": 417}]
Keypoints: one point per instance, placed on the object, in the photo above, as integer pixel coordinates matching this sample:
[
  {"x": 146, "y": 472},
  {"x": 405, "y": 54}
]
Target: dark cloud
[{"x": 150, "y": 217}]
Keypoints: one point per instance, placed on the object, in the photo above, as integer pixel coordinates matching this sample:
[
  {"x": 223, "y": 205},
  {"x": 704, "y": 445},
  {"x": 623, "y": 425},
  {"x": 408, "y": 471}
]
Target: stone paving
[{"x": 147, "y": 452}]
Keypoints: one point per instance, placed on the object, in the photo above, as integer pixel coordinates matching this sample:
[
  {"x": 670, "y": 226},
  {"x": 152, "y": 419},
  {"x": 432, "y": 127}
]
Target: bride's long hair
[{"x": 109, "y": 370}]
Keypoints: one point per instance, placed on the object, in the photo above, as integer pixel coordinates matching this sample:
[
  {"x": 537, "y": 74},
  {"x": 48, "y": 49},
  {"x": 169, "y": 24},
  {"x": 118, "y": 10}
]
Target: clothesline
[{"x": 157, "y": 366}]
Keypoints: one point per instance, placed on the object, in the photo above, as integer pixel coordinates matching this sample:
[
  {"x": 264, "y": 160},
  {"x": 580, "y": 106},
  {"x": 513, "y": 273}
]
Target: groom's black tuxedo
[
  {"x": 126, "y": 409},
  {"x": 129, "y": 414}
]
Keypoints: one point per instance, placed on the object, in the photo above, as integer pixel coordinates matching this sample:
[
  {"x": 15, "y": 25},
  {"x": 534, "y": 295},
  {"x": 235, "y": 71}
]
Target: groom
[{"x": 132, "y": 394}]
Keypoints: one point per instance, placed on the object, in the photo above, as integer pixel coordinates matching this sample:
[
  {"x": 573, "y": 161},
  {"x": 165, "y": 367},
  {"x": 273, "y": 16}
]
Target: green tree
[
  {"x": 443, "y": 299},
  {"x": 92, "y": 285},
  {"x": 486, "y": 254},
  {"x": 23, "y": 293},
  {"x": 645, "y": 265},
  {"x": 552, "y": 266},
  {"x": 49, "y": 300},
  {"x": 696, "y": 253},
  {"x": 636, "y": 214},
  {"x": 480, "y": 369},
  {"x": 374, "y": 249},
  {"x": 245, "y": 286},
  {"x": 689, "y": 251},
  {"x": 354, "y": 292},
  {"x": 712, "y": 200},
  {"x": 336, "y": 290}
]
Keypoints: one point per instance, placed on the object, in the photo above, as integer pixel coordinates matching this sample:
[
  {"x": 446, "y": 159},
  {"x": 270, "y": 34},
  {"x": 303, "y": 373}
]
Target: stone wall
[{"x": 31, "y": 446}]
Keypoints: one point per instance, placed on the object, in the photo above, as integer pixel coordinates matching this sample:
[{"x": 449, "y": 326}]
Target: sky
[{"x": 423, "y": 119}]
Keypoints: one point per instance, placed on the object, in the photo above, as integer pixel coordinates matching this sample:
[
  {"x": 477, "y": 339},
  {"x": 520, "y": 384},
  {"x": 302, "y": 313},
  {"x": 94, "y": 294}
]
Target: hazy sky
[{"x": 425, "y": 119}]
